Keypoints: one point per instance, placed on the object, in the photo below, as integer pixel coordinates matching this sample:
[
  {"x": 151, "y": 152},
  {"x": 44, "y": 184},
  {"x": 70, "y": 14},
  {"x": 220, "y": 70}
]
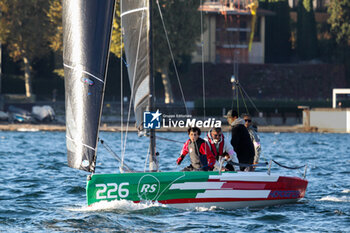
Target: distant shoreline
[{"x": 117, "y": 128}]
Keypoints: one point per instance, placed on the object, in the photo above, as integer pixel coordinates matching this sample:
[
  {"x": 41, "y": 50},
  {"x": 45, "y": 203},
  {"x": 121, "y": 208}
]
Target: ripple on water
[
  {"x": 40, "y": 192},
  {"x": 272, "y": 218},
  {"x": 76, "y": 190},
  {"x": 335, "y": 199}
]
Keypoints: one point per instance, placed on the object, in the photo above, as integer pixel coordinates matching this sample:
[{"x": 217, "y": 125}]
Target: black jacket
[{"x": 242, "y": 144}]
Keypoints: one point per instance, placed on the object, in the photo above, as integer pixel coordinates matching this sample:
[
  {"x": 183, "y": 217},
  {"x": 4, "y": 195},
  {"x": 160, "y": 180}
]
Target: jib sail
[
  {"x": 136, "y": 26},
  {"x": 87, "y": 26}
]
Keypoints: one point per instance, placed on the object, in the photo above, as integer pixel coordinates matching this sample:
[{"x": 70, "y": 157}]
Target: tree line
[
  {"x": 31, "y": 31},
  {"x": 306, "y": 39}
]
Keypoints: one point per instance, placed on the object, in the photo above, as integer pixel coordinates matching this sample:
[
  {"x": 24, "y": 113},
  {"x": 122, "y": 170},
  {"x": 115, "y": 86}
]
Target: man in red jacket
[{"x": 202, "y": 159}]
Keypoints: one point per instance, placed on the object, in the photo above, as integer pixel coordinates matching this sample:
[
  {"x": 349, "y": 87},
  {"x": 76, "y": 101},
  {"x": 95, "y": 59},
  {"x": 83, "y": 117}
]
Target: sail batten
[
  {"x": 85, "y": 72},
  {"x": 133, "y": 11},
  {"x": 87, "y": 26}
]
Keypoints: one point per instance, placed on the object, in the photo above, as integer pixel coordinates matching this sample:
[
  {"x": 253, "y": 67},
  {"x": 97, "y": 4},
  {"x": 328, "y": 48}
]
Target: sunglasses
[
  {"x": 248, "y": 120},
  {"x": 216, "y": 135}
]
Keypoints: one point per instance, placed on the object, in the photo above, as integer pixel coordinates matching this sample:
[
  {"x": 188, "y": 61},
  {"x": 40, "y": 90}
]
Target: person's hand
[{"x": 179, "y": 160}]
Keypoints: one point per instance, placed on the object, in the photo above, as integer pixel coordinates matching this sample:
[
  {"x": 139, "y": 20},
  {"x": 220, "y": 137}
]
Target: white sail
[{"x": 136, "y": 27}]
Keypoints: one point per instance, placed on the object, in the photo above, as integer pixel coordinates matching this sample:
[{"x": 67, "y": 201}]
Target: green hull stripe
[{"x": 142, "y": 186}]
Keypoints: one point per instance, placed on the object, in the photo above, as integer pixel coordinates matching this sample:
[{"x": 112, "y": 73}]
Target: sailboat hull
[{"x": 228, "y": 190}]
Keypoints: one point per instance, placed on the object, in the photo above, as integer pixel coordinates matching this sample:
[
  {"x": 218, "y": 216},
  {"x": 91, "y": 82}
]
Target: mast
[{"x": 153, "y": 163}]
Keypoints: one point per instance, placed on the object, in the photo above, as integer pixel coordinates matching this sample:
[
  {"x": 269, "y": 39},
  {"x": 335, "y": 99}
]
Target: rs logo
[{"x": 148, "y": 188}]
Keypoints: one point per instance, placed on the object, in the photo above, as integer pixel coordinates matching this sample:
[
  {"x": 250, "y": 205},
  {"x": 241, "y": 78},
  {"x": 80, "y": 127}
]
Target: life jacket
[
  {"x": 213, "y": 147},
  {"x": 198, "y": 160}
]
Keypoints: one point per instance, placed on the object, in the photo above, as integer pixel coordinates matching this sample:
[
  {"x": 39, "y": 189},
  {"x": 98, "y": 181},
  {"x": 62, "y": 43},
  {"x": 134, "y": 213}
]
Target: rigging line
[
  {"x": 126, "y": 64},
  {"x": 251, "y": 101},
  {"x": 233, "y": 94},
  {"x": 287, "y": 166},
  {"x": 203, "y": 77},
  {"x": 237, "y": 99},
  {"x": 133, "y": 87},
  {"x": 109, "y": 149},
  {"x": 121, "y": 88},
  {"x": 167, "y": 139},
  {"x": 172, "y": 57},
  {"x": 250, "y": 165},
  {"x": 224, "y": 12},
  {"x": 244, "y": 102},
  {"x": 232, "y": 52},
  {"x": 146, "y": 159}
]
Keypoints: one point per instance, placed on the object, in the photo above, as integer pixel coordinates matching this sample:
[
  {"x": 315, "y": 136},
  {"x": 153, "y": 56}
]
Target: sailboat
[{"x": 87, "y": 28}]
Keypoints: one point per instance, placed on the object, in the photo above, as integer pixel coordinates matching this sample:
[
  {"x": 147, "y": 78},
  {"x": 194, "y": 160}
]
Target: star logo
[
  {"x": 151, "y": 120},
  {"x": 156, "y": 115}
]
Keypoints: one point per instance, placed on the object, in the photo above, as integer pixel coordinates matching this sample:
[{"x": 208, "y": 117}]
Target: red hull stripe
[
  {"x": 264, "y": 186},
  {"x": 245, "y": 185},
  {"x": 201, "y": 200},
  {"x": 283, "y": 183}
]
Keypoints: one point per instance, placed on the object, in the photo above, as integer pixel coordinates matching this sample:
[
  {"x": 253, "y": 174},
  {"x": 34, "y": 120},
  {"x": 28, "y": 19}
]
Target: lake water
[{"x": 40, "y": 193}]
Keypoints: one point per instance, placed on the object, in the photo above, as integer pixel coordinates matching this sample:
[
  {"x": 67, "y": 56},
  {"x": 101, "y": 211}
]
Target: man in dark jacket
[{"x": 240, "y": 140}]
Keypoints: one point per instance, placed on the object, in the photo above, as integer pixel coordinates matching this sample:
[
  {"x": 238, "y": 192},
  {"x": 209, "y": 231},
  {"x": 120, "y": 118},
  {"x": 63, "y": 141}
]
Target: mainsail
[
  {"x": 136, "y": 27},
  {"x": 87, "y": 26}
]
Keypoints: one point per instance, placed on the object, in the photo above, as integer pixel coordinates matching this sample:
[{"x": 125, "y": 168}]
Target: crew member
[
  {"x": 221, "y": 149},
  {"x": 202, "y": 159},
  {"x": 240, "y": 140},
  {"x": 254, "y": 136}
]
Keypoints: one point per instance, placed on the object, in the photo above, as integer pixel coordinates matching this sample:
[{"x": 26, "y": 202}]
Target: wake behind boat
[{"x": 87, "y": 30}]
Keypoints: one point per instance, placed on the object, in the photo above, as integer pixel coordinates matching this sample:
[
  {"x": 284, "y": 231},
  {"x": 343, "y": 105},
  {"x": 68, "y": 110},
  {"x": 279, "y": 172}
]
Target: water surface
[{"x": 40, "y": 193}]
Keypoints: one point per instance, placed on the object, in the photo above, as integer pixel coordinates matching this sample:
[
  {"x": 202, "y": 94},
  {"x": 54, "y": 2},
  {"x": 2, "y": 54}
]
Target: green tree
[
  {"x": 278, "y": 32},
  {"x": 55, "y": 16},
  {"x": 307, "y": 46},
  {"x": 339, "y": 19},
  {"x": 23, "y": 28},
  {"x": 116, "y": 45},
  {"x": 55, "y": 36},
  {"x": 182, "y": 21}
]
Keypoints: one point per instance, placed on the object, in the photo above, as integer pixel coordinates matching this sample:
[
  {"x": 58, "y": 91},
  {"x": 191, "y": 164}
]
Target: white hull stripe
[
  {"x": 234, "y": 194},
  {"x": 245, "y": 176},
  {"x": 85, "y": 72},
  {"x": 71, "y": 139},
  {"x": 197, "y": 185},
  {"x": 133, "y": 11}
]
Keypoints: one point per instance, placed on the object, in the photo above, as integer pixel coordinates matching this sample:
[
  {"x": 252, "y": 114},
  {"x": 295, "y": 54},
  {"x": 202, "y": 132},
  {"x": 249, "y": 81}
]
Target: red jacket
[{"x": 204, "y": 149}]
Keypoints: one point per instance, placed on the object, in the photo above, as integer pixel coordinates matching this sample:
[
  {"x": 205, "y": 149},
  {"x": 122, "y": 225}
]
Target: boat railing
[{"x": 287, "y": 167}]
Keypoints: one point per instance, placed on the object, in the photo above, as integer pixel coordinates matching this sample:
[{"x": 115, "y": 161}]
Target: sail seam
[
  {"x": 133, "y": 11},
  {"x": 81, "y": 143},
  {"x": 83, "y": 71}
]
